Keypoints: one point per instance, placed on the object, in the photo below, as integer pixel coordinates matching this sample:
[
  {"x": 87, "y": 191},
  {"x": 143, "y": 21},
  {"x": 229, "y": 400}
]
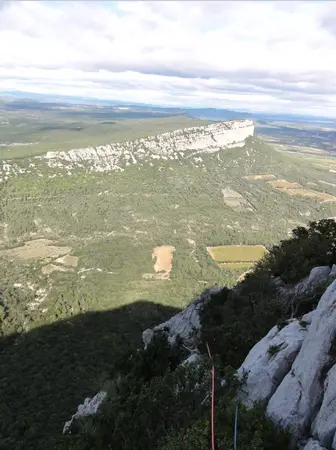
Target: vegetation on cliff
[{"x": 163, "y": 406}]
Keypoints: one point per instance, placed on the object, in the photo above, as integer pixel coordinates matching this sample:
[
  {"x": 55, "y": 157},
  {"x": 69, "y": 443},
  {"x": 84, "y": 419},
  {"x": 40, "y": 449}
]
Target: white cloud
[{"x": 277, "y": 56}]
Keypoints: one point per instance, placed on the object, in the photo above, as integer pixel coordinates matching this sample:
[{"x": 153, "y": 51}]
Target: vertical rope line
[
  {"x": 212, "y": 402},
  {"x": 235, "y": 429}
]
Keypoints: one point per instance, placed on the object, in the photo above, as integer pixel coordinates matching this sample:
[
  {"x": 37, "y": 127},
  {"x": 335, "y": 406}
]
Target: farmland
[
  {"x": 297, "y": 189},
  {"x": 236, "y": 256},
  {"x": 83, "y": 246}
]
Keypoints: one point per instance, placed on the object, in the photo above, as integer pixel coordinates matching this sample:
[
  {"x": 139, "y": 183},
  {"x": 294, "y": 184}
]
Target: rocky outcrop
[
  {"x": 316, "y": 277},
  {"x": 183, "y": 143},
  {"x": 313, "y": 445},
  {"x": 324, "y": 426},
  {"x": 89, "y": 407},
  {"x": 333, "y": 271},
  {"x": 293, "y": 370},
  {"x": 296, "y": 402},
  {"x": 186, "y": 325},
  {"x": 269, "y": 361}
]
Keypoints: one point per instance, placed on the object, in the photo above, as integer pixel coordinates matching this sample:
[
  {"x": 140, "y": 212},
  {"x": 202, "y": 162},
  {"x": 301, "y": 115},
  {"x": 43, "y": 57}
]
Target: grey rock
[
  {"x": 296, "y": 401},
  {"x": 308, "y": 317},
  {"x": 313, "y": 445},
  {"x": 147, "y": 336},
  {"x": 318, "y": 274},
  {"x": 324, "y": 426},
  {"x": 89, "y": 407},
  {"x": 265, "y": 372},
  {"x": 185, "y": 324},
  {"x": 194, "y": 358},
  {"x": 333, "y": 271}
]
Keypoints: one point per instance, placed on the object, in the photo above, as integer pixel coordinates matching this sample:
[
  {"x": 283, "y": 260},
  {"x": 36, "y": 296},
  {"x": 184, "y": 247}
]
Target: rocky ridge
[
  {"x": 291, "y": 371},
  {"x": 183, "y": 143}
]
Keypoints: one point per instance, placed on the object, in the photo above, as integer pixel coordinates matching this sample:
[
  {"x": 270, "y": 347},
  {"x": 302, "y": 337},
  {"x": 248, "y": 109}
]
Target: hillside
[
  {"x": 102, "y": 244},
  {"x": 284, "y": 389}
]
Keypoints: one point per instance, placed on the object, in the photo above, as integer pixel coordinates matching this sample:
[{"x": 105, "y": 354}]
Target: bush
[
  {"x": 308, "y": 248},
  {"x": 254, "y": 432},
  {"x": 233, "y": 323}
]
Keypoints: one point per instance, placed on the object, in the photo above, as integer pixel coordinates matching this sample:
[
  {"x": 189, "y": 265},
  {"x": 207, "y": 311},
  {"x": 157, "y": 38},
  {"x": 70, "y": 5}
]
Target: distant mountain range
[{"x": 41, "y": 101}]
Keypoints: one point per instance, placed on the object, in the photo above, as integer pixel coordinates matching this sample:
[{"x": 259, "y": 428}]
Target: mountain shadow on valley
[{"x": 47, "y": 372}]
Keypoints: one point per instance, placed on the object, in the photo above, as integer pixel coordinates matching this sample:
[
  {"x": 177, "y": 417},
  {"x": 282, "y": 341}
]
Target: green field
[
  {"x": 235, "y": 266},
  {"x": 238, "y": 253}
]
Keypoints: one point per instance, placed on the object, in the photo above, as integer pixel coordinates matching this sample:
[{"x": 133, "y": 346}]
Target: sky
[{"x": 260, "y": 56}]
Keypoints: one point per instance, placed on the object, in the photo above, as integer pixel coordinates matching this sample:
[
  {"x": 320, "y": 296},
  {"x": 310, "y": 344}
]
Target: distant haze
[{"x": 260, "y": 56}]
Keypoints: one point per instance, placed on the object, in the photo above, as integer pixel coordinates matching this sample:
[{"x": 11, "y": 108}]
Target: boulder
[
  {"x": 324, "y": 426},
  {"x": 308, "y": 317},
  {"x": 89, "y": 407},
  {"x": 313, "y": 445},
  {"x": 317, "y": 275},
  {"x": 296, "y": 401},
  {"x": 265, "y": 369},
  {"x": 185, "y": 324},
  {"x": 194, "y": 358},
  {"x": 333, "y": 271},
  {"x": 147, "y": 336}
]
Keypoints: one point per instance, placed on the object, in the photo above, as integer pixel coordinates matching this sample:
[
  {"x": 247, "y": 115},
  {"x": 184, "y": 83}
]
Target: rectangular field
[
  {"x": 237, "y": 253},
  {"x": 235, "y": 265}
]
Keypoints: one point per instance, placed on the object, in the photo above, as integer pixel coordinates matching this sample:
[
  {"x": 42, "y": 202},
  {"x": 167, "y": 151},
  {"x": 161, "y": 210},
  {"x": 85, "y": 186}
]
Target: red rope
[{"x": 212, "y": 402}]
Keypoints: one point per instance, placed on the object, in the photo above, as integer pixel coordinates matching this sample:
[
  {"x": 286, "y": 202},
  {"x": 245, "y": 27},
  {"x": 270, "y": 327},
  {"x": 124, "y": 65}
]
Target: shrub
[
  {"x": 274, "y": 349},
  {"x": 309, "y": 247}
]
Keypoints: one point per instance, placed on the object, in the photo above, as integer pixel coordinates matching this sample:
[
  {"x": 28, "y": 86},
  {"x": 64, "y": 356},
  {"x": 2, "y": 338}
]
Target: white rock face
[
  {"x": 297, "y": 399},
  {"x": 194, "y": 358},
  {"x": 185, "y": 324},
  {"x": 89, "y": 407},
  {"x": 313, "y": 445},
  {"x": 264, "y": 371},
  {"x": 317, "y": 276},
  {"x": 147, "y": 336},
  {"x": 324, "y": 426},
  {"x": 333, "y": 271},
  {"x": 183, "y": 143}
]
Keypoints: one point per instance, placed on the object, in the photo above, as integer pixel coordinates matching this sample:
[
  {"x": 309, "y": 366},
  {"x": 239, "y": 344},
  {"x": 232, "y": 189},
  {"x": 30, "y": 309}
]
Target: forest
[{"x": 70, "y": 328}]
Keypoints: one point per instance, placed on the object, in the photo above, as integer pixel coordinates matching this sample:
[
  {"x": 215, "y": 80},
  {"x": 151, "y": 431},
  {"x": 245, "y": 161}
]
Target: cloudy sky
[{"x": 260, "y": 56}]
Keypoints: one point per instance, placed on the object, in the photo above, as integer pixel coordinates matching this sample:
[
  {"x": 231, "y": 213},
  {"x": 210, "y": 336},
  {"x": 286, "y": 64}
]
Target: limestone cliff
[{"x": 183, "y": 143}]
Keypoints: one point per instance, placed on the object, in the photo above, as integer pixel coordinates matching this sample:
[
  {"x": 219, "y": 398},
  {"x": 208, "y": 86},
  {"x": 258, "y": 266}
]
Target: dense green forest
[
  {"x": 69, "y": 331},
  {"x": 65, "y": 361}
]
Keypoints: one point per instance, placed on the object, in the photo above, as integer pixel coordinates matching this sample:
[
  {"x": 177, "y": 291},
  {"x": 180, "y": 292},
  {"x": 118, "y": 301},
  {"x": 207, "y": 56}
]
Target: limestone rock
[
  {"x": 308, "y": 317},
  {"x": 266, "y": 371},
  {"x": 296, "y": 401},
  {"x": 324, "y": 426},
  {"x": 194, "y": 358},
  {"x": 313, "y": 445},
  {"x": 89, "y": 407},
  {"x": 318, "y": 274},
  {"x": 147, "y": 336},
  {"x": 333, "y": 271},
  {"x": 187, "y": 142},
  {"x": 185, "y": 324}
]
